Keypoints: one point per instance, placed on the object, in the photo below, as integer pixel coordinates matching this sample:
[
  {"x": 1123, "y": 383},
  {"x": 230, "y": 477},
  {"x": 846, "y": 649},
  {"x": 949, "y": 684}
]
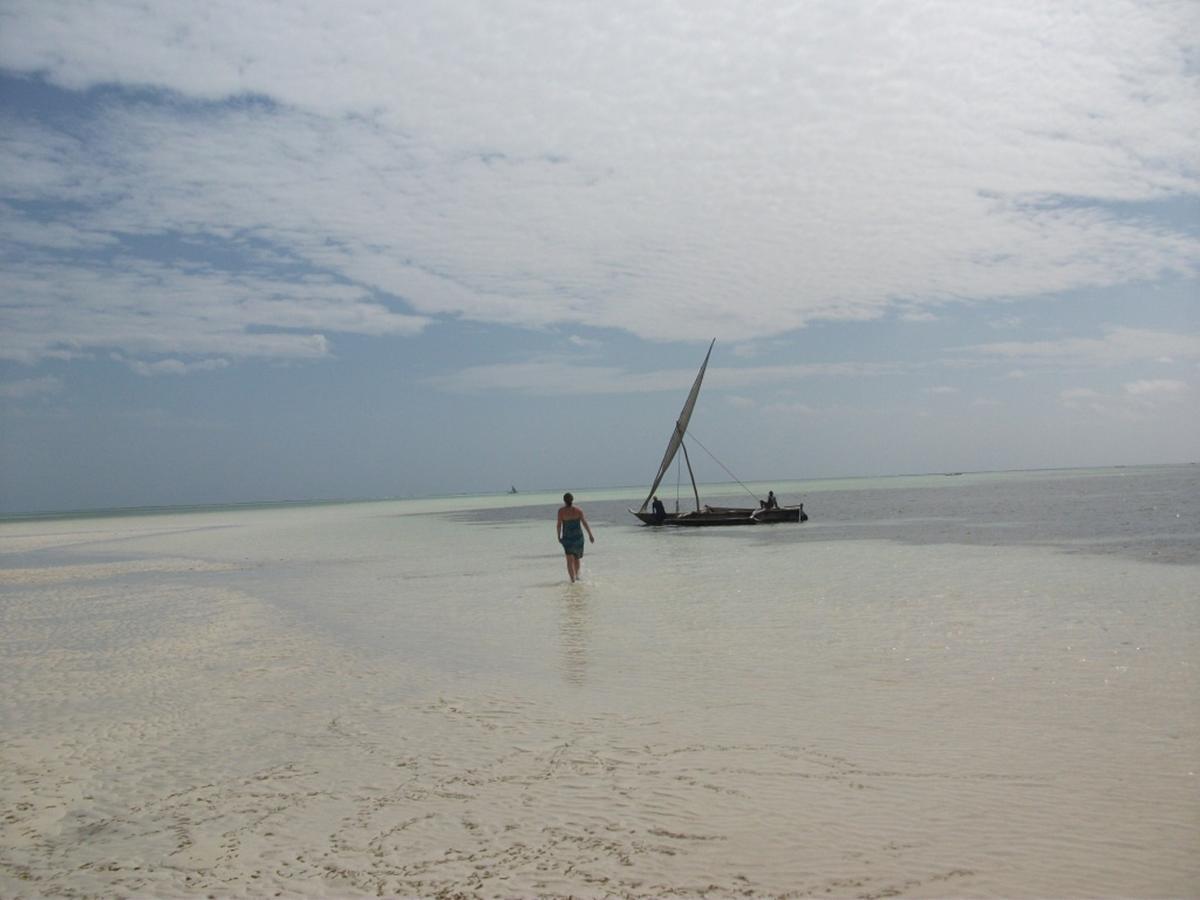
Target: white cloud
[
  {"x": 1006, "y": 322},
  {"x": 620, "y": 166},
  {"x": 1156, "y": 387},
  {"x": 1082, "y": 398},
  {"x": 1118, "y": 346},
  {"x": 17, "y": 228},
  {"x": 789, "y": 409},
  {"x": 941, "y": 390},
  {"x": 1135, "y": 399},
  {"x": 172, "y": 366},
  {"x": 25, "y": 388},
  {"x": 562, "y": 377},
  {"x": 149, "y": 310}
]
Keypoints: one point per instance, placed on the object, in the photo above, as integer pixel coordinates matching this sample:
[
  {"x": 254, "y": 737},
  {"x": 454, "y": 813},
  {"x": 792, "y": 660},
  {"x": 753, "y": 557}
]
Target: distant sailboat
[
  {"x": 513, "y": 489},
  {"x": 706, "y": 515}
]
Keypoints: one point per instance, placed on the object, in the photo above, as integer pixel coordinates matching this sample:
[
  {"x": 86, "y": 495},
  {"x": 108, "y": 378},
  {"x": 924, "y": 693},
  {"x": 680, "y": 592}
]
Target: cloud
[
  {"x": 172, "y": 366},
  {"x": 1135, "y": 399},
  {"x": 147, "y": 310},
  {"x": 561, "y": 377},
  {"x": 1006, "y": 322},
  {"x": 1155, "y": 387},
  {"x": 941, "y": 390},
  {"x": 674, "y": 176},
  {"x": 789, "y": 409},
  {"x": 25, "y": 388},
  {"x": 1083, "y": 398},
  {"x": 18, "y": 228},
  {"x": 1118, "y": 346}
]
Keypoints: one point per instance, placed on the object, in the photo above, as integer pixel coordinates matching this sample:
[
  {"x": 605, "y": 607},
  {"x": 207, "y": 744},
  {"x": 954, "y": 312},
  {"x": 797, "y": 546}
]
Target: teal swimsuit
[{"x": 572, "y": 536}]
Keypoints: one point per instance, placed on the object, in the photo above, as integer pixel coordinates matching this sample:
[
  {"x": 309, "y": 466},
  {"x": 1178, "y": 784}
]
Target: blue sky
[{"x": 272, "y": 250}]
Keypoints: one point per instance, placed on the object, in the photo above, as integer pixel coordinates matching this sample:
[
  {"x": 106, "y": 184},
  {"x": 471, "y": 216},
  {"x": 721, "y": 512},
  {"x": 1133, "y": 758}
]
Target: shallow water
[{"x": 981, "y": 685}]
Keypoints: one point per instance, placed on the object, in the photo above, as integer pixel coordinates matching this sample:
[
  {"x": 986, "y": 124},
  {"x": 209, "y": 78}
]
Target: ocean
[{"x": 966, "y": 685}]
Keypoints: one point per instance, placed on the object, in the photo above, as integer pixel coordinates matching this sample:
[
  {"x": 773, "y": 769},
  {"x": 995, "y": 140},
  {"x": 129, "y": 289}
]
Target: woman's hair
[{"x": 568, "y": 498}]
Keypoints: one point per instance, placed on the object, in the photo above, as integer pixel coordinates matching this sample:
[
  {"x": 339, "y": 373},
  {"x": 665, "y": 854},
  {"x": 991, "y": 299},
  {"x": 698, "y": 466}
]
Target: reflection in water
[{"x": 573, "y": 634}]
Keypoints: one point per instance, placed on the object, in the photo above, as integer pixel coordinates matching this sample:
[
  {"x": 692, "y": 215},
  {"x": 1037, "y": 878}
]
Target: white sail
[{"x": 680, "y": 429}]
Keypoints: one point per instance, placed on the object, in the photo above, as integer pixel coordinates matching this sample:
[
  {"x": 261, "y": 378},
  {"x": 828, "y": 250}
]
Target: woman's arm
[{"x": 583, "y": 519}]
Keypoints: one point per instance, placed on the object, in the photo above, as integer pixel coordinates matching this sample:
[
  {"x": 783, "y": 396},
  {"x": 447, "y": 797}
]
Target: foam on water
[{"x": 408, "y": 698}]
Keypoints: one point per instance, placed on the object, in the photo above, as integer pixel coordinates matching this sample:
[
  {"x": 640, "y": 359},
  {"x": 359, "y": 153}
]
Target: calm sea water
[
  {"x": 969, "y": 685},
  {"x": 1145, "y": 512}
]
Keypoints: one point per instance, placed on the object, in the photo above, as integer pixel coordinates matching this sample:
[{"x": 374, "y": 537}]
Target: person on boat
[
  {"x": 569, "y": 529},
  {"x": 660, "y": 511},
  {"x": 770, "y": 502}
]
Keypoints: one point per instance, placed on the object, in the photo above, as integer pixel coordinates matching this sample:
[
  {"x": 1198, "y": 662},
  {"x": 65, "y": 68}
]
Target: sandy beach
[{"x": 326, "y": 702}]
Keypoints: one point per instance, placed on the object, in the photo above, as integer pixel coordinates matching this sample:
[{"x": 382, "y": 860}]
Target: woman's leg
[{"x": 570, "y": 567}]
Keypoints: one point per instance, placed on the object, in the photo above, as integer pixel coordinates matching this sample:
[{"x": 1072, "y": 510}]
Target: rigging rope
[{"x": 696, "y": 440}]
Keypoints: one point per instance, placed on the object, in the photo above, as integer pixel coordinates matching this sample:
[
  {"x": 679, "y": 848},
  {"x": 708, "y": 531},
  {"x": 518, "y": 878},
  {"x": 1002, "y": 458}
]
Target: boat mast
[{"x": 683, "y": 447}]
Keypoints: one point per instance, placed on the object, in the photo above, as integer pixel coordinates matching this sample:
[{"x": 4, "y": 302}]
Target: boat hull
[{"x": 724, "y": 515}]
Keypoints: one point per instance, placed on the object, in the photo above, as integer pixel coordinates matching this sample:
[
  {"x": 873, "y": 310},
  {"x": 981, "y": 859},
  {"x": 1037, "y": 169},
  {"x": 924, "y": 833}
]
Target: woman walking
[{"x": 570, "y": 528}]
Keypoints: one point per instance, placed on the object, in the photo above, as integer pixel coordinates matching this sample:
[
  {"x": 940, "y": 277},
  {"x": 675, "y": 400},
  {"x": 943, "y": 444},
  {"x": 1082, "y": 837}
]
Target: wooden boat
[
  {"x": 762, "y": 516},
  {"x": 704, "y": 514},
  {"x": 727, "y": 515}
]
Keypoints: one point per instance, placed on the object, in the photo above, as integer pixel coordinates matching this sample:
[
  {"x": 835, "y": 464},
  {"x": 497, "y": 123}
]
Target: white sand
[{"x": 334, "y": 703}]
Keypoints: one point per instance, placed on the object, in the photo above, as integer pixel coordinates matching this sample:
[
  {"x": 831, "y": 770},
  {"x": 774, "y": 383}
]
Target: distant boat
[
  {"x": 704, "y": 514},
  {"x": 513, "y": 489}
]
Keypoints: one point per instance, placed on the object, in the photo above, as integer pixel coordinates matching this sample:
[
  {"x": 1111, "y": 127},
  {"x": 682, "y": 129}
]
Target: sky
[{"x": 292, "y": 250}]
